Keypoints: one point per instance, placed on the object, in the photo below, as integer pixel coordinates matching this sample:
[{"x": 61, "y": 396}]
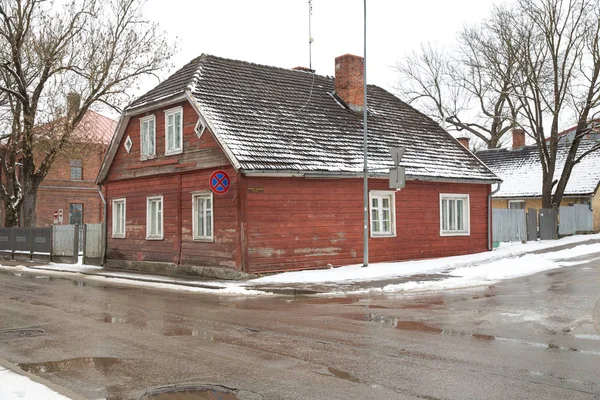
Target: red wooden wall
[{"x": 295, "y": 223}]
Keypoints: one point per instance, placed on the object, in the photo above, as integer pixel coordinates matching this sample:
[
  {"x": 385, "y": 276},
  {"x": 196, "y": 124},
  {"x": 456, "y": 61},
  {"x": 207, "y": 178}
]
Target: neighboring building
[
  {"x": 70, "y": 184},
  {"x": 521, "y": 172},
  {"x": 292, "y": 144}
]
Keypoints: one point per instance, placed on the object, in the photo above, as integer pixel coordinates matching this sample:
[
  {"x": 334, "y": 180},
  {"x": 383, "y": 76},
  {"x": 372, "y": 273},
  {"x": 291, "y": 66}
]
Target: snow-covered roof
[
  {"x": 276, "y": 119},
  {"x": 521, "y": 171}
]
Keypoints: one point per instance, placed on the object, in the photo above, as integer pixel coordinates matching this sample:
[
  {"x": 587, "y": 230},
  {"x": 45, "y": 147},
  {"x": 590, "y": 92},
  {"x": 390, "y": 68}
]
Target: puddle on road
[
  {"x": 192, "y": 393},
  {"x": 342, "y": 375},
  {"x": 71, "y": 364},
  {"x": 179, "y": 331},
  {"x": 20, "y": 333},
  {"x": 137, "y": 321},
  {"x": 395, "y": 322}
]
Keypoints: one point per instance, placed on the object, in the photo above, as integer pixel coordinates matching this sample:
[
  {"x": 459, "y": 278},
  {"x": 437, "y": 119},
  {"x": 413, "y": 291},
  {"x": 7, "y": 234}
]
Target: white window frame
[
  {"x": 115, "y": 202},
  {"x": 143, "y": 121},
  {"x": 380, "y": 194},
  {"x": 173, "y": 111},
  {"x": 196, "y": 236},
  {"x": 516, "y": 201},
  {"x": 466, "y": 214},
  {"x": 149, "y": 236}
]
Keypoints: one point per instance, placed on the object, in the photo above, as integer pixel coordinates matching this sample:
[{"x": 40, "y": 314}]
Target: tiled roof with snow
[
  {"x": 521, "y": 171},
  {"x": 275, "y": 119}
]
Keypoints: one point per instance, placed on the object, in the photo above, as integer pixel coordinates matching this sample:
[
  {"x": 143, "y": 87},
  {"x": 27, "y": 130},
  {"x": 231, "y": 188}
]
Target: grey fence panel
[
  {"x": 567, "y": 221},
  {"x": 6, "y": 240},
  {"x": 532, "y": 224},
  {"x": 22, "y": 240},
  {"x": 548, "y": 220},
  {"x": 63, "y": 241},
  {"x": 93, "y": 244},
  {"x": 509, "y": 225},
  {"x": 584, "y": 217},
  {"x": 41, "y": 240}
]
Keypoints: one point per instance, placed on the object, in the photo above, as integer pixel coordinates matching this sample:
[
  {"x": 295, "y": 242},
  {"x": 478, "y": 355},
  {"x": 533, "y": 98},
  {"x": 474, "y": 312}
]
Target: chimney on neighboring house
[
  {"x": 464, "y": 141},
  {"x": 518, "y": 139},
  {"x": 349, "y": 80},
  {"x": 73, "y": 103}
]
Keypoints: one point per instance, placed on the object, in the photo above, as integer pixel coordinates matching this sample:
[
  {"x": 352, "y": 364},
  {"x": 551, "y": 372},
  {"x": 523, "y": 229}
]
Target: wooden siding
[
  {"x": 296, "y": 223},
  {"x": 198, "y": 153},
  {"x": 178, "y": 246}
]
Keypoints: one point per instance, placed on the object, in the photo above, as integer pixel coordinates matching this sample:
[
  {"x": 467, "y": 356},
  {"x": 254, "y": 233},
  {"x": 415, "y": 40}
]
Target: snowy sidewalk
[
  {"x": 511, "y": 260},
  {"x": 18, "y": 385}
]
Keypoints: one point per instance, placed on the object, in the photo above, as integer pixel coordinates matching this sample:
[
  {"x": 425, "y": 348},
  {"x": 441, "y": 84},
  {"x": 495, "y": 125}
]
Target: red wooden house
[{"x": 291, "y": 144}]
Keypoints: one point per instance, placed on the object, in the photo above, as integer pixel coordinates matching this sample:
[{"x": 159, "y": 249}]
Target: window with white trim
[
  {"x": 154, "y": 217},
  {"x": 516, "y": 204},
  {"x": 147, "y": 137},
  {"x": 118, "y": 218},
  {"x": 174, "y": 131},
  {"x": 382, "y": 205},
  {"x": 454, "y": 215},
  {"x": 203, "y": 222}
]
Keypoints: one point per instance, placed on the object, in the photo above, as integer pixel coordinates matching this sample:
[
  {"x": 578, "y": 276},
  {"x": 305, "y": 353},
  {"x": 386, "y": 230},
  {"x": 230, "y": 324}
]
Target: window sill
[
  {"x": 154, "y": 238},
  {"x": 455, "y": 233},
  {"x": 205, "y": 240},
  {"x": 153, "y": 157},
  {"x": 118, "y": 236},
  {"x": 173, "y": 152},
  {"x": 382, "y": 235}
]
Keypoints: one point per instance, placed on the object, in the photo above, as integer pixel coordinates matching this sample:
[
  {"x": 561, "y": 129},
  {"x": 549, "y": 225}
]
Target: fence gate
[
  {"x": 548, "y": 224},
  {"x": 532, "y": 224},
  {"x": 94, "y": 243},
  {"x": 509, "y": 225},
  {"x": 65, "y": 243}
]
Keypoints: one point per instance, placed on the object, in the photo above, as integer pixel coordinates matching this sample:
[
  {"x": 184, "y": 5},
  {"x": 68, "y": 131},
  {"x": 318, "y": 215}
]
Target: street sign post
[{"x": 397, "y": 178}]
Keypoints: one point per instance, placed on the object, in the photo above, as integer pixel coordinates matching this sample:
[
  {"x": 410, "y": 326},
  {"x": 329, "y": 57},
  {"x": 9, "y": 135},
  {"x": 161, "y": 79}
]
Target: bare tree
[
  {"x": 559, "y": 62},
  {"x": 94, "y": 50},
  {"x": 469, "y": 87}
]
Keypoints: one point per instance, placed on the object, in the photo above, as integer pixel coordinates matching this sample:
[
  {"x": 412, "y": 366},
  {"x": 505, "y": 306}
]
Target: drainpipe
[
  {"x": 104, "y": 230},
  {"x": 490, "y": 245}
]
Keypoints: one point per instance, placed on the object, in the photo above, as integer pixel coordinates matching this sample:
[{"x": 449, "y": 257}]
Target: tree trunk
[
  {"x": 11, "y": 215},
  {"x": 29, "y": 203}
]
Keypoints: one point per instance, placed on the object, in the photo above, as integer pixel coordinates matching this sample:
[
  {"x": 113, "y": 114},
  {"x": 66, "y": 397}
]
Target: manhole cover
[
  {"x": 199, "y": 392},
  {"x": 20, "y": 333}
]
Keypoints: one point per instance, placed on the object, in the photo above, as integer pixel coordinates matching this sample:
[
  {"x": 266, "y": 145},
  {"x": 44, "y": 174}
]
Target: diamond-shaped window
[{"x": 128, "y": 144}]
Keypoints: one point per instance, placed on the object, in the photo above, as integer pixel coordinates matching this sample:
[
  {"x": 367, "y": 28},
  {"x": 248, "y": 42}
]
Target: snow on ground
[
  {"x": 498, "y": 264},
  {"x": 14, "y": 386}
]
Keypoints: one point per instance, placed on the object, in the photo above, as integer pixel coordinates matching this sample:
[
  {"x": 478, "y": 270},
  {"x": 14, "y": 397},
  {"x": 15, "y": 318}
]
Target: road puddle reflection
[
  {"x": 192, "y": 393},
  {"x": 72, "y": 364},
  {"x": 179, "y": 331},
  {"x": 342, "y": 375}
]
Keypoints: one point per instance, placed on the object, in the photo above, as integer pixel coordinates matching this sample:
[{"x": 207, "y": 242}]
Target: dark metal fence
[{"x": 59, "y": 243}]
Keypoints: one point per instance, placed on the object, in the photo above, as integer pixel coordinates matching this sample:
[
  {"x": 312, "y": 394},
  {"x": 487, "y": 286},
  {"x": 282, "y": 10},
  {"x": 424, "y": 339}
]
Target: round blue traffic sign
[{"x": 219, "y": 182}]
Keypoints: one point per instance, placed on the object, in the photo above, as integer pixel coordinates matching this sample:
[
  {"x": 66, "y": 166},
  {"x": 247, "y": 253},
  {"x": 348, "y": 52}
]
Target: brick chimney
[
  {"x": 464, "y": 141},
  {"x": 349, "y": 80},
  {"x": 518, "y": 136}
]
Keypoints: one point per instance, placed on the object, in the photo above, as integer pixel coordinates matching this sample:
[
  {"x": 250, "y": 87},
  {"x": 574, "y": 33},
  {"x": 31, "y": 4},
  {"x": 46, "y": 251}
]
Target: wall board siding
[
  {"x": 198, "y": 153},
  {"x": 296, "y": 223}
]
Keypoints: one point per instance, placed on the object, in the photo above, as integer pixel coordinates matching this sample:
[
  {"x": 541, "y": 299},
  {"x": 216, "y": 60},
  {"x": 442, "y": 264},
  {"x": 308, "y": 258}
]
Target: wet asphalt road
[{"x": 528, "y": 338}]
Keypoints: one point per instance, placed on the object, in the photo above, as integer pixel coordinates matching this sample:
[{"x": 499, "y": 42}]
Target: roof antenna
[{"x": 310, "y": 39}]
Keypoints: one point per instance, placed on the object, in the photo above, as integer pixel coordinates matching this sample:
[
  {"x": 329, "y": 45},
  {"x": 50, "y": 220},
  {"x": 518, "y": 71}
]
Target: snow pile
[
  {"x": 14, "y": 386},
  {"x": 380, "y": 271}
]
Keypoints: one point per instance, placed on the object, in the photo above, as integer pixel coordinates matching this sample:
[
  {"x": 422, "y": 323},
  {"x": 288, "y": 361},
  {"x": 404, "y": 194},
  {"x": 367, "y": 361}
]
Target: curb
[{"x": 50, "y": 385}]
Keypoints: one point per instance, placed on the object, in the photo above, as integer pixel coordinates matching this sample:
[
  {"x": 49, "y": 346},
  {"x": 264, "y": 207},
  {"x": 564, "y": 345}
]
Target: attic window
[
  {"x": 174, "y": 131},
  {"x": 200, "y": 127},
  {"x": 128, "y": 144}
]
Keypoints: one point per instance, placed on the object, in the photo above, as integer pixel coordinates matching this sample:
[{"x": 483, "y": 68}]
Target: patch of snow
[
  {"x": 14, "y": 386},
  {"x": 380, "y": 271}
]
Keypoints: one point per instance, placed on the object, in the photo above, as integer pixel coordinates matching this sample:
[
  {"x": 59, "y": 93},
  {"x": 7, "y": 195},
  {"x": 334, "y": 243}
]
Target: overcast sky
[{"x": 275, "y": 32}]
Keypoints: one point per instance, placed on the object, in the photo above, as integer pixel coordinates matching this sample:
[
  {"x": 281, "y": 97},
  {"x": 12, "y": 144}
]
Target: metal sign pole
[{"x": 365, "y": 177}]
